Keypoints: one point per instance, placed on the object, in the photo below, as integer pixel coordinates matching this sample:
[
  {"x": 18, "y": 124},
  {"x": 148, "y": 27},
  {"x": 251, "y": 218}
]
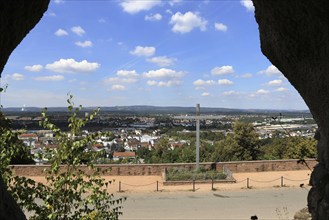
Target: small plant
[{"x": 73, "y": 190}]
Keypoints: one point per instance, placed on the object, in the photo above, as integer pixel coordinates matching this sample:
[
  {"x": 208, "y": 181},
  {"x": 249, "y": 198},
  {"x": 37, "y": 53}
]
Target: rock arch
[
  {"x": 294, "y": 36},
  {"x": 17, "y": 18}
]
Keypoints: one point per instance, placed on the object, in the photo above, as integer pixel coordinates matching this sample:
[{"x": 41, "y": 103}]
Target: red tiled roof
[
  {"x": 30, "y": 135},
  {"x": 124, "y": 154},
  {"x": 98, "y": 145}
]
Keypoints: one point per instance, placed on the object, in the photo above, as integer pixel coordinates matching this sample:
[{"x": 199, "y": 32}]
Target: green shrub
[{"x": 189, "y": 175}]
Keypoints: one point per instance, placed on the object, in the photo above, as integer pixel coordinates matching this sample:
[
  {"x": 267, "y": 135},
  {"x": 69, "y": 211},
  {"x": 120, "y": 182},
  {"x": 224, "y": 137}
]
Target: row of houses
[{"x": 125, "y": 144}]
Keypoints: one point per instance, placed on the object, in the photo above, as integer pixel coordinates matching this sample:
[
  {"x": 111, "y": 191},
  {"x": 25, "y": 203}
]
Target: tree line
[{"x": 242, "y": 144}]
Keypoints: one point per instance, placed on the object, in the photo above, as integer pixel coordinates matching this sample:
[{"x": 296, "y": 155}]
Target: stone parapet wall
[
  {"x": 157, "y": 169},
  {"x": 266, "y": 165}
]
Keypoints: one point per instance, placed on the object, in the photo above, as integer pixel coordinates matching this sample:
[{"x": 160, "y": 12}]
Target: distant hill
[{"x": 146, "y": 109}]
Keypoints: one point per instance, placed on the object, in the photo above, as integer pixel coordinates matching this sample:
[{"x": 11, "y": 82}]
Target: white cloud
[
  {"x": 86, "y": 43},
  {"x": 281, "y": 89},
  {"x": 72, "y": 66},
  {"x": 262, "y": 92},
  {"x": 51, "y": 14},
  {"x": 173, "y": 2},
  {"x": 78, "y": 30},
  {"x": 127, "y": 73},
  {"x": 119, "y": 80},
  {"x": 135, "y": 6},
  {"x": 184, "y": 23},
  {"x": 163, "y": 73},
  {"x": 102, "y": 20},
  {"x": 168, "y": 83},
  {"x": 152, "y": 82},
  {"x": 220, "y": 27},
  {"x": 200, "y": 88},
  {"x": 201, "y": 82},
  {"x": 59, "y": 1},
  {"x": 246, "y": 75},
  {"x": 205, "y": 94},
  {"x": 60, "y": 32},
  {"x": 153, "y": 17},
  {"x": 231, "y": 92},
  {"x": 276, "y": 82},
  {"x": 223, "y": 70},
  {"x": 248, "y": 5},
  {"x": 49, "y": 78},
  {"x": 143, "y": 51},
  {"x": 271, "y": 71},
  {"x": 225, "y": 82},
  {"x": 34, "y": 68},
  {"x": 118, "y": 87},
  {"x": 168, "y": 11},
  {"x": 162, "y": 61},
  {"x": 14, "y": 76}
]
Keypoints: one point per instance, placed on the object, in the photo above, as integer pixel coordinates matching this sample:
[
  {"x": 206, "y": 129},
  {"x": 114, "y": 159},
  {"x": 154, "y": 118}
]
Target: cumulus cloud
[
  {"x": 231, "y": 92},
  {"x": 34, "y": 68},
  {"x": 86, "y": 43},
  {"x": 119, "y": 80},
  {"x": 153, "y": 17},
  {"x": 143, "y": 51},
  {"x": 248, "y": 5},
  {"x": 72, "y": 66},
  {"x": 225, "y": 82},
  {"x": 163, "y": 73},
  {"x": 277, "y": 82},
  {"x": 127, "y": 73},
  {"x": 223, "y": 70},
  {"x": 59, "y": 1},
  {"x": 174, "y": 2},
  {"x": 281, "y": 89},
  {"x": 51, "y": 14},
  {"x": 271, "y": 71},
  {"x": 49, "y": 78},
  {"x": 205, "y": 94},
  {"x": 15, "y": 76},
  {"x": 200, "y": 88},
  {"x": 201, "y": 82},
  {"x": 168, "y": 83},
  {"x": 135, "y": 6},
  {"x": 124, "y": 77},
  {"x": 184, "y": 23},
  {"x": 60, "y": 32},
  {"x": 162, "y": 61},
  {"x": 78, "y": 30},
  {"x": 220, "y": 27},
  {"x": 152, "y": 82},
  {"x": 246, "y": 75},
  {"x": 102, "y": 20},
  {"x": 261, "y": 92},
  {"x": 118, "y": 87}
]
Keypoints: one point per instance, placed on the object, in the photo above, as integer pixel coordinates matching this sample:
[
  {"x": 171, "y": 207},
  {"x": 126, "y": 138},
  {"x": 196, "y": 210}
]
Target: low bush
[{"x": 189, "y": 175}]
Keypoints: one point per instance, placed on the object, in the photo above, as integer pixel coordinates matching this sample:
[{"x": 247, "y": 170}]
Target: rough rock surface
[
  {"x": 294, "y": 36},
  {"x": 17, "y": 18}
]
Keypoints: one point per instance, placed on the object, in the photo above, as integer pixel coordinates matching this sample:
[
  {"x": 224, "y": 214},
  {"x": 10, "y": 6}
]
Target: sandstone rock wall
[
  {"x": 294, "y": 36},
  {"x": 17, "y": 18}
]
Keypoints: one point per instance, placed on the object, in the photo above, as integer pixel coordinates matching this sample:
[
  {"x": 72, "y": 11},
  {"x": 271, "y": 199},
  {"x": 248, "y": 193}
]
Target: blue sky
[{"x": 150, "y": 52}]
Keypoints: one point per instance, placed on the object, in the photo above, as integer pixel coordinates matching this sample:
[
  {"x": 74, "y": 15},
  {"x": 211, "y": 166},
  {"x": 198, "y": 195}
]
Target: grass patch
[{"x": 189, "y": 175}]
